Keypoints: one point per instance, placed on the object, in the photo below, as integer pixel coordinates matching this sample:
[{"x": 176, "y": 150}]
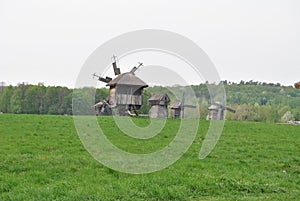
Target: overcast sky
[{"x": 49, "y": 40}]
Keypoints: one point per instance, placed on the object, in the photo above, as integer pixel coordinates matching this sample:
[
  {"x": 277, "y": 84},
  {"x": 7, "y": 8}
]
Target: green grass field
[{"x": 42, "y": 158}]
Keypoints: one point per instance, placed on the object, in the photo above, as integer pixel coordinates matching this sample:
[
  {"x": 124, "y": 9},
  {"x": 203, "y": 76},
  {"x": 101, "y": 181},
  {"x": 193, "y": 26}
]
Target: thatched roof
[
  {"x": 297, "y": 85},
  {"x": 127, "y": 79}
]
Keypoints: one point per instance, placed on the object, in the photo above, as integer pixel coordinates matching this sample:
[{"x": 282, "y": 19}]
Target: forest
[{"x": 252, "y": 100}]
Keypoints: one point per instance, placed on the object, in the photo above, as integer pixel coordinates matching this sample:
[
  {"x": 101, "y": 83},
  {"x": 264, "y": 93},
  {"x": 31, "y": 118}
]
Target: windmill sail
[
  {"x": 135, "y": 68},
  {"x": 106, "y": 80},
  {"x": 102, "y": 79},
  {"x": 116, "y": 69},
  {"x": 230, "y": 110}
]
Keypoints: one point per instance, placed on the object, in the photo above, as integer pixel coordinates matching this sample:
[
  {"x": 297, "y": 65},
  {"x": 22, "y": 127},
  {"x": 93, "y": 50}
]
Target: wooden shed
[{"x": 159, "y": 106}]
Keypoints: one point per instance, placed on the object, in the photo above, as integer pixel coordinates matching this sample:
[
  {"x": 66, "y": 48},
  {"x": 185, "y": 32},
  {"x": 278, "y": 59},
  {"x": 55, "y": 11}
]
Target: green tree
[
  {"x": 41, "y": 98},
  {"x": 16, "y": 105},
  {"x": 83, "y": 100},
  {"x": 51, "y": 100},
  {"x": 31, "y": 100},
  {"x": 145, "y": 107},
  {"x": 65, "y": 101},
  {"x": 5, "y": 99},
  {"x": 101, "y": 94}
]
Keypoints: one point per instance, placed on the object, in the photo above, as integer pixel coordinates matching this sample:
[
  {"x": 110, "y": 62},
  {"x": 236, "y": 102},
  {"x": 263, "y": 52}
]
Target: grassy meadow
[{"x": 42, "y": 158}]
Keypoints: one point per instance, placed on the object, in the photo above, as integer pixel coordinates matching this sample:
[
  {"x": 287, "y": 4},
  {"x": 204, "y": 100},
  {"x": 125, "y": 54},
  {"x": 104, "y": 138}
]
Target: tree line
[
  {"x": 253, "y": 101},
  {"x": 35, "y": 99},
  {"x": 39, "y": 99}
]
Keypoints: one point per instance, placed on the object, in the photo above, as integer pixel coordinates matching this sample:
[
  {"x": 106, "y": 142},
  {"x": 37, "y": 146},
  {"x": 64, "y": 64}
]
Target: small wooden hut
[
  {"x": 216, "y": 111},
  {"x": 159, "y": 106}
]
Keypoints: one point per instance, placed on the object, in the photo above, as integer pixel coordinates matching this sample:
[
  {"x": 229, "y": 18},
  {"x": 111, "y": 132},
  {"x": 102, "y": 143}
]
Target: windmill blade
[
  {"x": 135, "y": 68},
  {"x": 114, "y": 64},
  {"x": 116, "y": 69},
  {"x": 224, "y": 107},
  {"x": 190, "y": 106},
  {"x": 106, "y": 79},
  {"x": 230, "y": 110},
  {"x": 218, "y": 104},
  {"x": 102, "y": 79}
]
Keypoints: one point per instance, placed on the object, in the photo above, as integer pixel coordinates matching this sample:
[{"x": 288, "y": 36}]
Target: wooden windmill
[
  {"x": 159, "y": 105},
  {"x": 177, "y": 108},
  {"x": 216, "y": 111},
  {"x": 125, "y": 90}
]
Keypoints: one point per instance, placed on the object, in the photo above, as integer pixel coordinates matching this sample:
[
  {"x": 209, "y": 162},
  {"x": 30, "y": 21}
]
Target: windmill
[
  {"x": 216, "y": 111},
  {"x": 159, "y": 105},
  {"x": 125, "y": 90},
  {"x": 178, "y": 108}
]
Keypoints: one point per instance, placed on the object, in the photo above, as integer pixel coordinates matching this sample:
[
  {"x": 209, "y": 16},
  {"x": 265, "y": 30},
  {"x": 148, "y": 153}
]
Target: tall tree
[
  {"x": 16, "y": 104},
  {"x": 41, "y": 98},
  {"x": 51, "y": 100},
  {"x": 5, "y": 99},
  {"x": 31, "y": 100},
  {"x": 64, "y": 100}
]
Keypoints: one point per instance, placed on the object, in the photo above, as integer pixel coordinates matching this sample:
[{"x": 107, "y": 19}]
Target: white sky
[{"x": 48, "y": 41}]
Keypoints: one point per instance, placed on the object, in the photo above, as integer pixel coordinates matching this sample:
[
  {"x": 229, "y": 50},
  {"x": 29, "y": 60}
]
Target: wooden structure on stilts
[{"x": 125, "y": 90}]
